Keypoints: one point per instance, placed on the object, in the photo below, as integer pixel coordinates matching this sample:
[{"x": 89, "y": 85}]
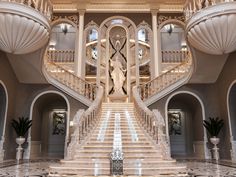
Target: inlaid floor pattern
[{"x": 141, "y": 157}]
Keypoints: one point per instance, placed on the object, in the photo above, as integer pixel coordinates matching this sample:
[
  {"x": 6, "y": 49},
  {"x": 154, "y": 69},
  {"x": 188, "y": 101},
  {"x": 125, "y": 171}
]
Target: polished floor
[{"x": 39, "y": 168}]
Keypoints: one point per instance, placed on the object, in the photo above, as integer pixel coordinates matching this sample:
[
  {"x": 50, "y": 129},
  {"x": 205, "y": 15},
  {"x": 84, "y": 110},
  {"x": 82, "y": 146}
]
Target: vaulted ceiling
[{"x": 118, "y": 5}]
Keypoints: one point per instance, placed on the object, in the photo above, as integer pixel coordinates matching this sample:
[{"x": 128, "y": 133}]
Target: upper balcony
[
  {"x": 25, "y": 25},
  {"x": 210, "y": 25}
]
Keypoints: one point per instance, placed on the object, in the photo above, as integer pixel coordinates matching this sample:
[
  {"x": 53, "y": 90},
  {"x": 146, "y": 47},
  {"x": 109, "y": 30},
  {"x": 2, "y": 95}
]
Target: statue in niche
[{"x": 117, "y": 76}]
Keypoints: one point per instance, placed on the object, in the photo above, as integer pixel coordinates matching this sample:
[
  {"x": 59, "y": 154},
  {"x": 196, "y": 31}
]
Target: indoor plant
[
  {"x": 21, "y": 127},
  {"x": 213, "y": 127}
]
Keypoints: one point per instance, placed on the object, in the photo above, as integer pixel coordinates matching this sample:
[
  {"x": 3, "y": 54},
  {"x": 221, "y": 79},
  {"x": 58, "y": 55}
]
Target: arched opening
[
  {"x": 3, "y": 112},
  {"x": 117, "y": 42},
  {"x": 173, "y": 45},
  {"x": 50, "y": 124},
  {"x": 61, "y": 49},
  {"x": 232, "y": 118},
  {"x": 185, "y": 125},
  {"x": 91, "y": 52},
  {"x": 144, "y": 34}
]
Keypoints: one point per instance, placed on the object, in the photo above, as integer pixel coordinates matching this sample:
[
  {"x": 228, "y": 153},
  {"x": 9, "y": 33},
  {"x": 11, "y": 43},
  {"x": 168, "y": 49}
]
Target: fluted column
[
  {"x": 79, "y": 63},
  {"x": 156, "y": 58}
]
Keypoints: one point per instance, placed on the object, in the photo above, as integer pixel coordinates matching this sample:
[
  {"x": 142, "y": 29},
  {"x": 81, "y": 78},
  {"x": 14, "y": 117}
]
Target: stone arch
[
  {"x": 203, "y": 150},
  {"x": 231, "y": 120},
  {"x": 3, "y": 116},
  {"x": 27, "y": 153}
]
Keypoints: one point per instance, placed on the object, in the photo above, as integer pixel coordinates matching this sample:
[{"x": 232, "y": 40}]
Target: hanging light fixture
[
  {"x": 169, "y": 28},
  {"x": 64, "y": 27}
]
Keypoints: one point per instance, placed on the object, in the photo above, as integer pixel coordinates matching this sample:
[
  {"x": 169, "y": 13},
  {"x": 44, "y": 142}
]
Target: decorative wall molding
[
  {"x": 161, "y": 19},
  {"x": 74, "y": 18}
]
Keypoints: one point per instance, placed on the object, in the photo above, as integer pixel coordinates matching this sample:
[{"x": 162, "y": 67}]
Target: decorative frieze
[
  {"x": 163, "y": 18},
  {"x": 74, "y": 18}
]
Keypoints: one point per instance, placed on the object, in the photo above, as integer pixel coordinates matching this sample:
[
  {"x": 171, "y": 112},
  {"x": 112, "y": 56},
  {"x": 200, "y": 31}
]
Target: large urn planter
[
  {"x": 213, "y": 127},
  {"x": 19, "y": 150},
  {"x": 21, "y": 127},
  {"x": 215, "y": 150}
]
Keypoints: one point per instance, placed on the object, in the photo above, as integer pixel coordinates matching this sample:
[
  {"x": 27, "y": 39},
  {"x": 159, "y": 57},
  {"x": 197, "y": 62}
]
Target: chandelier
[{"x": 169, "y": 28}]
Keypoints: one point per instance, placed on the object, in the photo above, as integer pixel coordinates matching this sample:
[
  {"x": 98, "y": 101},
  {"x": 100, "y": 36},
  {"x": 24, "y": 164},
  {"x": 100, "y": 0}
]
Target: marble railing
[
  {"x": 70, "y": 80},
  {"x": 61, "y": 56},
  {"x": 193, "y": 6},
  {"x": 174, "y": 56},
  {"x": 83, "y": 124},
  {"x": 45, "y": 7},
  {"x": 153, "y": 122},
  {"x": 165, "y": 80}
]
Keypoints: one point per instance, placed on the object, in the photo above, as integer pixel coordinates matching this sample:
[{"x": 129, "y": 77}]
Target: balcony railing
[
  {"x": 165, "y": 80},
  {"x": 175, "y": 56},
  {"x": 193, "y": 6},
  {"x": 72, "y": 81},
  {"x": 43, "y": 6},
  {"x": 61, "y": 56}
]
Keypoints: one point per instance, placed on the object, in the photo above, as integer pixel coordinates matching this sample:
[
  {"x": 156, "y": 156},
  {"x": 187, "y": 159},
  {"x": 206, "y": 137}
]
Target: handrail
[
  {"x": 153, "y": 122},
  {"x": 84, "y": 122},
  {"x": 45, "y": 7},
  {"x": 70, "y": 80},
  {"x": 174, "y": 56},
  {"x": 61, "y": 56},
  {"x": 166, "y": 79},
  {"x": 193, "y": 6}
]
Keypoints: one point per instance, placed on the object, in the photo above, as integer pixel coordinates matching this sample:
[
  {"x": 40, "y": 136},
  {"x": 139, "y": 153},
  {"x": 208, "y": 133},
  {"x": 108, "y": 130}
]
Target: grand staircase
[{"x": 141, "y": 155}]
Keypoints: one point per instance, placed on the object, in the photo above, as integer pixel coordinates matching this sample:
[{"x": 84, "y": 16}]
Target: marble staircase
[{"x": 141, "y": 156}]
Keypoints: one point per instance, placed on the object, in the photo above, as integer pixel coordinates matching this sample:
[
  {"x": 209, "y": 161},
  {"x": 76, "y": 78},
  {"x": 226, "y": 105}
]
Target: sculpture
[{"x": 117, "y": 76}]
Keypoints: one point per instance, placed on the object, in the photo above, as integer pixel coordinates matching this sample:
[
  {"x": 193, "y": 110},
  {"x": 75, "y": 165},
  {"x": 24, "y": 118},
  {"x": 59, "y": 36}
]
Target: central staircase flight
[{"x": 142, "y": 157}]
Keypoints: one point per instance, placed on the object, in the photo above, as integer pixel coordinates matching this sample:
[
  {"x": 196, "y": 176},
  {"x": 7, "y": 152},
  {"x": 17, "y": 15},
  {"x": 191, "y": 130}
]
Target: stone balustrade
[
  {"x": 61, "y": 56},
  {"x": 84, "y": 122},
  {"x": 45, "y": 7},
  {"x": 153, "y": 122},
  {"x": 72, "y": 81},
  {"x": 166, "y": 79},
  {"x": 193, "y": 6},
  {"x": 174, "y": 56}
]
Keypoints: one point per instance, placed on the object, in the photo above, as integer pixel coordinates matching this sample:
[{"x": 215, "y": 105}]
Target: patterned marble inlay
[{"x": 39, "y": 168}]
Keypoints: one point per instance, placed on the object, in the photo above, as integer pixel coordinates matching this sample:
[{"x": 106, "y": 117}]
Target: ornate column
[
  {"x": 156, "y": 59},
  {"x": 79, "y": 63}
]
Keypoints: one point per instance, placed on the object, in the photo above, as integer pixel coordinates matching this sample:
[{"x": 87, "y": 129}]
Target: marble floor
[{"x": 39, "y": 168}]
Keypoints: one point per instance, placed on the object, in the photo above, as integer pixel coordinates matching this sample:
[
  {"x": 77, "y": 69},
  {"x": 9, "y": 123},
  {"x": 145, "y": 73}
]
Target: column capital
[
  {"x": 81, "y": 11},
  {"x": 154, "y": 11}
]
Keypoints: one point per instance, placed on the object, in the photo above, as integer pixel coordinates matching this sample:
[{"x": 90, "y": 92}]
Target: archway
[
  {"x": 117, "y": 40},
  {"x": 3, "y": 115},
  {"x": 49, "y": 133},
  {"x": 231, "y": 101},
  {"x": 185, "y": 114}
]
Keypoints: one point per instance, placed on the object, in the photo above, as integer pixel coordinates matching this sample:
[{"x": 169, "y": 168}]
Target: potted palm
[
  {"x": 213, "y": 127},
  {"x": 21, "y": 127}
]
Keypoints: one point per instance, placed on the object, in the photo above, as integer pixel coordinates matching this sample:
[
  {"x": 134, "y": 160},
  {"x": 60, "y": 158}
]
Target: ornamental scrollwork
[
  {"x": 73, "y": 18},
  {"x": 163, "y": 18}
]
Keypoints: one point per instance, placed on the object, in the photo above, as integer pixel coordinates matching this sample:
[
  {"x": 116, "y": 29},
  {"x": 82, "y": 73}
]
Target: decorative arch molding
[
  {"x": 118, "y": 17},
  {"x": 72, "y": 19},
  {"x": 163, "y": 20},
  {"x": 233, "y": 145},
  {"x": 2, "y": 140},
  {"x": 206, "y": 151},
  {"x": 28, "y": 150},
  {"x": 89, "y": 26}
]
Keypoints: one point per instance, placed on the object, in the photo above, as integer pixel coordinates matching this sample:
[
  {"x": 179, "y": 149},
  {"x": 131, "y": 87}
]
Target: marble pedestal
[{"x": 117, "y": 98}]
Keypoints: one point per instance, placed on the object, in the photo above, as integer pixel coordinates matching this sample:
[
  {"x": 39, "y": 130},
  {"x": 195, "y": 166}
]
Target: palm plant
[
  {"x": 21, "y": 126},
  {"x": 213, "y": 126}
]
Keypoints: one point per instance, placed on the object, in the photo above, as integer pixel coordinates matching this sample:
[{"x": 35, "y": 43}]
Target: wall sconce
[
  {"x": 65, "y": 27},
  {"x": 169, "y": 28}
]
